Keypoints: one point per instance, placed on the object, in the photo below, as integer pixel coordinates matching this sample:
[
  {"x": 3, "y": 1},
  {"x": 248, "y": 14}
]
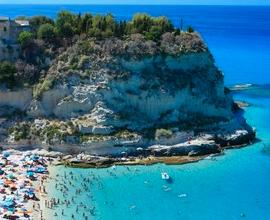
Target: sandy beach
[{"x": 22, "y": 184}]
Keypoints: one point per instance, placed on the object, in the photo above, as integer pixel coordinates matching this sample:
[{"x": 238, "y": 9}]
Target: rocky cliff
[{"x": 117, "y": 94}]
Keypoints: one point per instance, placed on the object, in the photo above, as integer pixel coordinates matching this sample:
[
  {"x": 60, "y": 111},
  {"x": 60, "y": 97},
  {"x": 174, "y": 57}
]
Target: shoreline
[
  {"x": 37, "y": 208},
  {"x": 147, "y": 161}
]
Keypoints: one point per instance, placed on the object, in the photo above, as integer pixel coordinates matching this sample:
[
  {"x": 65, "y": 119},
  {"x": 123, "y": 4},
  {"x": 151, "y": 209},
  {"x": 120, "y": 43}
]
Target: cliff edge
[{"x": 129, "y": 96}]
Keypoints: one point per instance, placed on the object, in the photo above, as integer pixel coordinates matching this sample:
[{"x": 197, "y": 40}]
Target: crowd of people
[
  {"x": 21, "y": 183},
  {"x": 69, "y": 187}
]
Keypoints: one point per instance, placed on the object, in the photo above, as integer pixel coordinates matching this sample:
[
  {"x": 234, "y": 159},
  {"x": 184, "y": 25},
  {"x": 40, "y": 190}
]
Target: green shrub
[
  {"x": 25, "y": 38},
  {"x": 46, "y": 32},
  {"x": 7, "y": 74},
  {"x": 190, "y": 29},
  {"x": 163, "y": 133},
  {"x": 42, "y": 87},
  {"x": 21, "y": 132}
]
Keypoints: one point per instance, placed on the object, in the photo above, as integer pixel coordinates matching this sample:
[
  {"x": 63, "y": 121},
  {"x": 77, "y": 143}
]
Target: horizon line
[{"x": 81, "y": 4}]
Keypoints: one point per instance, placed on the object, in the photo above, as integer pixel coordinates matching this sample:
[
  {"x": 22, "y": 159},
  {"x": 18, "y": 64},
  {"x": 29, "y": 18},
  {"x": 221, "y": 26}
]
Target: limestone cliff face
[
  {"x": 135, "y": 88},
  {"x": 18, "y": 99},
  {"x": 103, "y": 87}
]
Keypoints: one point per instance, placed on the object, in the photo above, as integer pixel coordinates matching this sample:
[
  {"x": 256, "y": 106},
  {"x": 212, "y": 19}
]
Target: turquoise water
[{"x": 235, "y": 183}]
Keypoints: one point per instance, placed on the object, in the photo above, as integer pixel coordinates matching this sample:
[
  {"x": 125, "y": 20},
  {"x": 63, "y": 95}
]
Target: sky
[{"x": 155, "y": 2}]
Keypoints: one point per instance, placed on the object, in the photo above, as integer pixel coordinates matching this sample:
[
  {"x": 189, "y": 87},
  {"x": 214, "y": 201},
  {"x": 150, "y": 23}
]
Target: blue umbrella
[
  {"x": 6, "y": 154},
  {"x": 40, "y": 170},
  {"x": 34, "y": 157},
  {"x": 8, "y": 203},
  {"x": 30, "y": 174},
  {"x": 31, "y": 190}
]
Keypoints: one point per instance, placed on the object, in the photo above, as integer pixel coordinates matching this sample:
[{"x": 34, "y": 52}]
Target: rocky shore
[
  {"x": 33, "y": 164},
  {"x": 194, "y": 149}
]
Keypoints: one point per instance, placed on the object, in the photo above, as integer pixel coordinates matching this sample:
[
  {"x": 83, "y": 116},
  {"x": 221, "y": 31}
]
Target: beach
[
  {"x": 94, "y": 193},
  {"x": 21, "y": 182},
  {"x": 232, "y": 185}
]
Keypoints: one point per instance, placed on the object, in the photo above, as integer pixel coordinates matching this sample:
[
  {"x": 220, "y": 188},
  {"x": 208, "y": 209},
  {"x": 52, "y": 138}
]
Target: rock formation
[{"x": 117, "y": 95}]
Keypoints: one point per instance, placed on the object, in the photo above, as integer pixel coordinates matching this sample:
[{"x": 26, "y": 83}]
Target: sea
[{"x": 235, "y": 185}]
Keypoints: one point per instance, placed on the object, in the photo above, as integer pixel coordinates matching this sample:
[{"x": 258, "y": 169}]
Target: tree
[
  {"x": 46, "y": 32},
  {"x": 190, "y": 29},
  {"x": 7, "y": 73},
  {"x": 121, "y": 28},
  {"x": 66, "y": 24},
  {"x": 141, "y": 23},
  {"x": 110, "y": 23},
  {"x": 165, "y": 24},
  {"x": 39, "y": 20},
  {"x": 151, "y": 27},
  {"x": 86, "y": 23},
  {"x": 103, "y": 26},
  {"x": 154, "y": 33},
  {"x": 25, "y": 39},
  {"x": 177, "y": 32}
]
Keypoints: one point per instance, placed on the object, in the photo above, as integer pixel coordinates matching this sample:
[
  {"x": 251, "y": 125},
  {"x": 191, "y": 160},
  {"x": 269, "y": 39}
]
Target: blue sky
[{"x": 196, "y": 2}]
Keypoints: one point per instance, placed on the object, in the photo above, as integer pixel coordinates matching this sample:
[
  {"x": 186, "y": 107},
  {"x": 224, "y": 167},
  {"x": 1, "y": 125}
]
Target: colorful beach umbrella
[
  {"x": 6, "y": 154},
  {"x": 11, "y": 176},
  {"x": 34, "y": 157}
]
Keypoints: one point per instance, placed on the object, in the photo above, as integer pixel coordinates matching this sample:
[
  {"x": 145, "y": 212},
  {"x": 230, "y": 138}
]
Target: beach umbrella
[
  {"x": 30, "y": 174},
  {"x": 23, "y": 209},
  {"x": 34, "y": 157},
  {"x": 40, "y": 169},
  {"x": 11, "y": 176},
  {"x": 31, "y": 189},
  {"x": 6, "y": 154},
  {"x": 8, "y": 203}
]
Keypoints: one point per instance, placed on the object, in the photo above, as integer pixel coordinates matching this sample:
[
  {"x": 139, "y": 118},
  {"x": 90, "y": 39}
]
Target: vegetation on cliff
[
  {"x": 49, "y": 38},
  {"x": 96, "y": 79}
]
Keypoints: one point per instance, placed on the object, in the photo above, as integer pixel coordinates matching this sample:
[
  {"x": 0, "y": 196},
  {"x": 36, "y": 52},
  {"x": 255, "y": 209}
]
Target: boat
[{"x": 165, "y": 176}]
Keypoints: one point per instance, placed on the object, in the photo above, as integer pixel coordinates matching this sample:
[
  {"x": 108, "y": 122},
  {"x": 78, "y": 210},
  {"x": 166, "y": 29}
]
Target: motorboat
[{"x": 165, "y": 176}]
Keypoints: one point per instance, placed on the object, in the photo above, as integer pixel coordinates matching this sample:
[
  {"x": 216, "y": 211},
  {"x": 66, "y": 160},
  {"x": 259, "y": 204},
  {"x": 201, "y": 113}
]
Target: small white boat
[
  {"x": 182, "y": 195},
  {"x": 165, "y": 176}
]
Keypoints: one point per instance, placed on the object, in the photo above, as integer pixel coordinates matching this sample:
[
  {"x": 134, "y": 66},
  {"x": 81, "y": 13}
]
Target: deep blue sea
[
  {"x": 234, "y": 186},
  {"x": 237, "y": 36}
]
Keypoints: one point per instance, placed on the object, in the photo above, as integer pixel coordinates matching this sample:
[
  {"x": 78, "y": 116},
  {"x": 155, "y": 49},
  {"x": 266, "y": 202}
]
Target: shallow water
[
  {"x": 221, "y": 189},
  {"x": 210, "y": 189}
]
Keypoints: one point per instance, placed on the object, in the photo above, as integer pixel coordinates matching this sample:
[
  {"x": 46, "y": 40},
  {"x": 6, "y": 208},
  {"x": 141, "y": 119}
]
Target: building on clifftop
[{"x": 9, "y": 32}]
